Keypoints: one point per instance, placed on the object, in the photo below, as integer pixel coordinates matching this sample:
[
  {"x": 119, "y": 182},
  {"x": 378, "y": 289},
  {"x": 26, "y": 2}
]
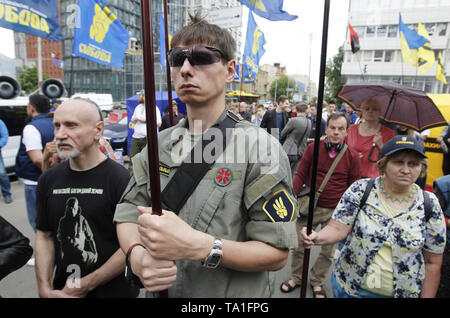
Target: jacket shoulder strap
[{"x": 190, "y": 173}]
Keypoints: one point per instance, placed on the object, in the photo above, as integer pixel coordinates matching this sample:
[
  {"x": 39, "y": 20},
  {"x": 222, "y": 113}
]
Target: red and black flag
[{"x": 354, "y": 39}]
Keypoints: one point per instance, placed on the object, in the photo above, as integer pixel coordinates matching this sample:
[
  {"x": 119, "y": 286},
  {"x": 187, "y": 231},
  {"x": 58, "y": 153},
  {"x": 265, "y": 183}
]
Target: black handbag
[{"x": 15, "y": 248}]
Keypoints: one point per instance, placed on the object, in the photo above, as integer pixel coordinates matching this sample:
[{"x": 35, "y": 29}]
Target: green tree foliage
[
  {"x": 281, "y": 87},
  {"x": 334, "y": 81},
  {"x": 29, "y": 79}
]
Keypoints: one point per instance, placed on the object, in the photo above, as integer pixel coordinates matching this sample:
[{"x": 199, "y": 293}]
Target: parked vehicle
[
  {"x": 13, "y": 112},
  {"x": 117, "y": 134},
  {"x": 104, "y": 101}
]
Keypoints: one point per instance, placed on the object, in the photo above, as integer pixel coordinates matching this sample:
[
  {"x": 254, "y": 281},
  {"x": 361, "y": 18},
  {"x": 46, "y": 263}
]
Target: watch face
[{"x": 215, "y": 259}]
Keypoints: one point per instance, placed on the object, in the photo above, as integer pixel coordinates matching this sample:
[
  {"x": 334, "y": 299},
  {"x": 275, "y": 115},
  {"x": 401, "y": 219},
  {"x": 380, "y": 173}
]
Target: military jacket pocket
[{"x": 209, "y": 209}]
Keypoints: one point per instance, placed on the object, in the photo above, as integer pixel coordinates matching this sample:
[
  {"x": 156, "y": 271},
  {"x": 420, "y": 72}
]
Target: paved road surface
[{"x": 22, "y": 283}]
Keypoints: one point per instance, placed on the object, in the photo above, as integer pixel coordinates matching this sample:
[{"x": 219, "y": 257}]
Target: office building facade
[{"x": 380, "y": 57}]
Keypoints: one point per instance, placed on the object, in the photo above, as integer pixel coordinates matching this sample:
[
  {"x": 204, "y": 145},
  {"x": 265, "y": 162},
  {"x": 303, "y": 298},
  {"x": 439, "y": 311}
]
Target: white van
[
  {"x": 104, "y": 101},
  {"x": 13, "y": 112}
]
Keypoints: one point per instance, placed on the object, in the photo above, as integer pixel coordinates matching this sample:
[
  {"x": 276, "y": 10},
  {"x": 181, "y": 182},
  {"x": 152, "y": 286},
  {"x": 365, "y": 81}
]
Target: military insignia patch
[
  {"x": 280, "y": 208},
  {"x": 223, "y": 177},
  {"x": 164, "y": 169}
]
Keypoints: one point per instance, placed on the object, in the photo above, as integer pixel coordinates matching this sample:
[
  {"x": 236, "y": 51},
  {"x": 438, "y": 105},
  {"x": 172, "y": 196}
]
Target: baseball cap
[{"x": 399, "y": 143}]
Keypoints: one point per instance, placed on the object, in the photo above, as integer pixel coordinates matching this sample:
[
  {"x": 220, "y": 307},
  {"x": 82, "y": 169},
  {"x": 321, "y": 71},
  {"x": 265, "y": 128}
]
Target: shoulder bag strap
[
  {"x": 333, "y": 166},
  {"x": 190, "y": 173}
]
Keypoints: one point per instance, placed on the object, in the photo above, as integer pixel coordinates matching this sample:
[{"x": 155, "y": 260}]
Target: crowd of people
[{"x": 231, "y": 222}]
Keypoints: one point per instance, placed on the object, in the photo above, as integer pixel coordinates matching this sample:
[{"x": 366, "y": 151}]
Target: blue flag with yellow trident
[
  {"x": 269, "y": 9},
  {"x": 38, "y": 18},
  {"x": 254, "y": 50},
  {"x": 100, "y": 36}
]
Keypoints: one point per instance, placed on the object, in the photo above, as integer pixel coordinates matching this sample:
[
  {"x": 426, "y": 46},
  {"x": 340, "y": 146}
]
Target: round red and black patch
[{"x": 223, "y": 177}]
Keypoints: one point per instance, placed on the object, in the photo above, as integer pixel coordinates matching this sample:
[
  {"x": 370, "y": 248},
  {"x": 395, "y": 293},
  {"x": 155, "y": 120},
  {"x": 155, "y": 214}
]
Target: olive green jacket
[{"x": 246, "y": 196}]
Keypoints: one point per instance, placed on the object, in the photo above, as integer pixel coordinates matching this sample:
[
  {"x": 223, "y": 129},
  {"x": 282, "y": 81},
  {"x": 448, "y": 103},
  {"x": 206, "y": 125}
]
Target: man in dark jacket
[
  {"x": 35, "y": 136},
  {"x": 275, "y": 120}
]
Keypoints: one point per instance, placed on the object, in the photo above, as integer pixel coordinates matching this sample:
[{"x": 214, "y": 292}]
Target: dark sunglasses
[{"x": 196, "y": 55}]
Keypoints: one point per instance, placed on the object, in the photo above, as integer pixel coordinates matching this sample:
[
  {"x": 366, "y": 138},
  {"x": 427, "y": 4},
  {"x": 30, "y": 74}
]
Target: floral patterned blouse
[{"x": 407, "y": 233}]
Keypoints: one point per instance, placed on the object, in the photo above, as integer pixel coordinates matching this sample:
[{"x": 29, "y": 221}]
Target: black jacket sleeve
[{"x": 15, "y": 249}]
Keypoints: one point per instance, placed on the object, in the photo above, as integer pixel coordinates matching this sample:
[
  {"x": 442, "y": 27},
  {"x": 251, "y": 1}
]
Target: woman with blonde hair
[{"x": 368, "y": 137}]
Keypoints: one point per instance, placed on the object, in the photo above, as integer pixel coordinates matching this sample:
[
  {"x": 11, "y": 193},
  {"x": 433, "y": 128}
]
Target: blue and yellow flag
[
  {"x": 269, "y": 9},
  {"x": 254, "y": 50},
  {"x": 38, "y": 18},
  {"x": 100, "y": 36},
  {"x": 425, "y": 54},
  {"x": 410, "y": 42},
  {"x": 440, "y": 75},
  {"x": 162, "y": 40}
]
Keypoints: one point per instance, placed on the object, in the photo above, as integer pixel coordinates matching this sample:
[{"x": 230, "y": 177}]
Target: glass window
[
  {"x": 370, "y": 31},
  {"x": 388, "y": 56},
  {"x": 392, "y": 33},
  {"x": 428, "y": 85},
  {"x": 360, "y": 30},
  {"x": 378, "y": 56},
  {"x": 430, "y": 28},
  {"x": 441, "y": 29},
  {"x": 381, "y": 31},
  {"x": 368, "y": 55}
]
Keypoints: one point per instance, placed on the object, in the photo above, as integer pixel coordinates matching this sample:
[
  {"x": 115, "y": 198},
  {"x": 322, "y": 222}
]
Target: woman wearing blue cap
[{"x": 395, "y": 238}]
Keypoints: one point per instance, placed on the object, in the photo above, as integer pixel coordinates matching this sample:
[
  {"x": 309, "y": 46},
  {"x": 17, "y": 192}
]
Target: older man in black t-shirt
[{"x": 76, "y": 201}]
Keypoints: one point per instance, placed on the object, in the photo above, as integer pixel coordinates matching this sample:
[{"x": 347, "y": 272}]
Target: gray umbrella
[{"x": 399, "y": 104}]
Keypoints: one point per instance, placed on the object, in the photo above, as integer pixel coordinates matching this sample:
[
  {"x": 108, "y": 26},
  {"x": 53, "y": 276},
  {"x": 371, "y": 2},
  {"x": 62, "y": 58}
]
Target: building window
[
  {"x": 370, "y": 31},
  {"x": 430, "y": 28},
  {"x": 360, "y": 30},
  {"x": 381, "y": 31},
  {"x": 388, "y": 56},
  {"x": 392, "y": 33},
  {"x": 441, "y": 29},
  {"x": 378, "y": 56},
  {"x": 368, "y": 55}
]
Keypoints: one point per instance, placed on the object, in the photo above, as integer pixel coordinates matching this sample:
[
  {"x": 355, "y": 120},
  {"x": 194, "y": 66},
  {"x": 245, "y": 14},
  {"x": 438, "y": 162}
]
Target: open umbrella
[{"x": 401, "y": 105}]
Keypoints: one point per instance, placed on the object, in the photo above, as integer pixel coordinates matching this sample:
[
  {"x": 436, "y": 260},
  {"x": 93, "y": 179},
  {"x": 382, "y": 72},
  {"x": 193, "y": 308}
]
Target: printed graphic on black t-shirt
[{"x": 75, "y": 236}]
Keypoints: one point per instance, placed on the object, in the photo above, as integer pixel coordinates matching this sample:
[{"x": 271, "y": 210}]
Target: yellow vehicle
[{"x": 432, "y": 148}]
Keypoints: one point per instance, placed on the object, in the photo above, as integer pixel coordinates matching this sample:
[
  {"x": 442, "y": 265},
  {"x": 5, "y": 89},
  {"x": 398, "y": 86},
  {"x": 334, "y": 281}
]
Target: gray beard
[{"x": 67, "y": 155}]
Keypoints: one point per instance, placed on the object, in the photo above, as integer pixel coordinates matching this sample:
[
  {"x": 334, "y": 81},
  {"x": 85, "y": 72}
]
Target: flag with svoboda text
[
  {"x": 254, "y": 50},
  {"x": 34, "y": 17},
  {"x": 99, "y": 37}
]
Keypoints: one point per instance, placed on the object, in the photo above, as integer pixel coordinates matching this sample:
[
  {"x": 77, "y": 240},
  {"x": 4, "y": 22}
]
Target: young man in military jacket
[{"x": 237, "y": 226}]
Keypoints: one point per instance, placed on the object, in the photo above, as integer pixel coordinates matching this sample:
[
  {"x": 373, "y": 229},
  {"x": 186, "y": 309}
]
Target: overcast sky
[{"x": 288, "y": 42}]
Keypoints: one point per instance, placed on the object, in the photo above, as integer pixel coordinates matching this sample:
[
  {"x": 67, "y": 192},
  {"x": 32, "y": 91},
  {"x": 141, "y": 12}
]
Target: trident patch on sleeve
[{"x": 280, "y": 207}]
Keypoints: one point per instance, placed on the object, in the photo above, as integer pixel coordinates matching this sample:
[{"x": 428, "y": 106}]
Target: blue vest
[{"x": 25, "y": 168}]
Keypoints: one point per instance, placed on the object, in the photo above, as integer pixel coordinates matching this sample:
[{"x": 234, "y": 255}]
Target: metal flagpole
[
  {"x": 169, "y": 79},
  {"x": 150, "y": 105},
  {"x": 323, "y": 63}
]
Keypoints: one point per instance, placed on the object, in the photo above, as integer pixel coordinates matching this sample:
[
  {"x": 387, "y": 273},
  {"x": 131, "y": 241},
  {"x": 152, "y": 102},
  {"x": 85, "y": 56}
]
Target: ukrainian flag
[{"x": 410, "y": 42}]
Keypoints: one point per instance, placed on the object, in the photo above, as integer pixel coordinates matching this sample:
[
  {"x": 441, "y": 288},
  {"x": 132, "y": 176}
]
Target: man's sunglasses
[{"x": 196, "y": 55}]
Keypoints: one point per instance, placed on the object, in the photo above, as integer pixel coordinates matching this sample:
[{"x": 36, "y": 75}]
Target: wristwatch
[{"x": 215, "y": 256}]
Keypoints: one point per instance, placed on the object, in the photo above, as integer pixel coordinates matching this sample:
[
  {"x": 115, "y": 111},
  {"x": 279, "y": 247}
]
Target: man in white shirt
[
  {"x": 139, "y": 119},
  {"x": 35, "y": 135}
]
